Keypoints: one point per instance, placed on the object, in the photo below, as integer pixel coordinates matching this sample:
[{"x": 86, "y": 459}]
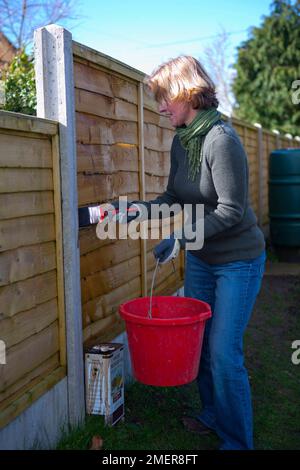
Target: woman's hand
[
  {"x": 122, "y": 211},
  {"x": 167, "y": 249}
]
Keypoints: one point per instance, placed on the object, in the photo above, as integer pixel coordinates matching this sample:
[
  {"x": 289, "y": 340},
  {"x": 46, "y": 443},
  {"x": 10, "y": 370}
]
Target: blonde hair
[{"x": 183, "y": 79}]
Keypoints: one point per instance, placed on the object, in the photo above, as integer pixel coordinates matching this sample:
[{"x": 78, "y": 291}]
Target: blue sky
[{"x": 144, "y": 34}]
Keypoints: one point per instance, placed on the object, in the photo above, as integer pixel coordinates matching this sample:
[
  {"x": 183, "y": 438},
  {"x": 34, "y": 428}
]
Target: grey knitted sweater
[{"x": 231, "y": 232}]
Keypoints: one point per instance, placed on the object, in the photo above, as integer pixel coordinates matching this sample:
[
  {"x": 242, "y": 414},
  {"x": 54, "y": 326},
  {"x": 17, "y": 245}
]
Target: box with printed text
[{"x": 104, "y": 381}]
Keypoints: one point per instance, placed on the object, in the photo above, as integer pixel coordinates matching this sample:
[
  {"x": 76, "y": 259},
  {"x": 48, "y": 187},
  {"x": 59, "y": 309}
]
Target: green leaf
[{"x": 19, "y": 84}]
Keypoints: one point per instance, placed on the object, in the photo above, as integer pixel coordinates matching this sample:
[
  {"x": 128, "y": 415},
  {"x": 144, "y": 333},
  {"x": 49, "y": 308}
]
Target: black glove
[{"x": 167, "y": 249}]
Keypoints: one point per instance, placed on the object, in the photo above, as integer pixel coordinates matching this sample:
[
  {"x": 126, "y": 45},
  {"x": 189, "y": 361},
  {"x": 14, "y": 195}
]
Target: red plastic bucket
[{"x": 165, "y": 349}]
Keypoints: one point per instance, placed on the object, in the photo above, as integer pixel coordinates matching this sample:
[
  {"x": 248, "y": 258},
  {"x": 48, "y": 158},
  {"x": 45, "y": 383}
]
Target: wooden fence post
[
  {"x": 261, "y": 181},
  {"x": 277, "y": 136},
  {"x": 55, "y": 100},
  {"x": 142, "y": 194},
  {"x": 290, "y": 138}
]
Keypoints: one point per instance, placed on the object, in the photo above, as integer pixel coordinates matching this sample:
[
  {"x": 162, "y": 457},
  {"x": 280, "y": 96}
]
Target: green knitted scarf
[{"x": 191, "y": 137}]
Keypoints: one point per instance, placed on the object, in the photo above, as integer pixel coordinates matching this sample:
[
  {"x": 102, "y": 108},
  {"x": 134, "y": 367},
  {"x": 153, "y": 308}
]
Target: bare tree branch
[
  {"x": 9, "y": 13},
  {"x": 217, "y": 63},
  {"x": 19, "y": 18},
  {"x": 24, "y": 10}
]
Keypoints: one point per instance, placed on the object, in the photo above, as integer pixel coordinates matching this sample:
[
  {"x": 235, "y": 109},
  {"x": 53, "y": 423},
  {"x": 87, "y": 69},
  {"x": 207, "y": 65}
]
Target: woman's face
[{"x": 179, "y": 112}]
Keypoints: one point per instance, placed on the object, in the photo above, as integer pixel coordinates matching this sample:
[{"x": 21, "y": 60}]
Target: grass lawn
[{"x": 153, "y": 415}]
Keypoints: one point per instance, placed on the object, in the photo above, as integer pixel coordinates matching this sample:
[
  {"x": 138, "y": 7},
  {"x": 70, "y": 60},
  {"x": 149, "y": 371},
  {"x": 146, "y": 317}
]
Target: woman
[{"x": 209, "y": 166}]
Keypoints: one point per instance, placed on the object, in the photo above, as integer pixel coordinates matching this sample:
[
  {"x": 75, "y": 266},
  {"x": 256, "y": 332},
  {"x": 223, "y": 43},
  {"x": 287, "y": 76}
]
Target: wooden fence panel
[
  {"x": 31, "y": 281},
  {"x": 107, "y": 116}
]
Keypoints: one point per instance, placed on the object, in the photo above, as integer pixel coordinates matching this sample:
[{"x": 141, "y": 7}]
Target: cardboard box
[{"x": 104, "y": 381}]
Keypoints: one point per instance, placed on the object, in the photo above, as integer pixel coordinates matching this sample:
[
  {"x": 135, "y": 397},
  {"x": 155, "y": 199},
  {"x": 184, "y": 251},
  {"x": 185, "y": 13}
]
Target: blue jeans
[{"x": 231, "y": 290}]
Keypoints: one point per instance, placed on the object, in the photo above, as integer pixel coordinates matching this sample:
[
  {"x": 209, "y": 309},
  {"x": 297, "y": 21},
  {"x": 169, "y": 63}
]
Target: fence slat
[
  {"x": 104, "y": 106},
  {"x": 104, "y": 281},
  {"x": 106, "y": 159},
  {"x": 28, "y": 355},
  {"x": 24, "y": 295},
  {"x": 102, "y": 188},
  {"x": 101, "y": 326},
  {"x": 18, "y": 180},
  {"x": 108, "y": 255},
  {"x": 97, "y": 130},
  {"x": 107, "y": 304},
  {"x": 16, "y": 205},
  {"x": 25, "y": 262},
  {"x": 24, "y": 324},
  {"x": 26, "y": 231},
  {"x": 23, "y": 152}
]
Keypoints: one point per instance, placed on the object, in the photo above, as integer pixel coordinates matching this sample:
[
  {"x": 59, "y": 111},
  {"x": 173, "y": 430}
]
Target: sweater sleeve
[{"x": 229, "y": 169}]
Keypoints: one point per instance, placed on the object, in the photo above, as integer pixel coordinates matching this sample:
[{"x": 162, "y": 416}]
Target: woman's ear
[{"x": 195, "y": 101}]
